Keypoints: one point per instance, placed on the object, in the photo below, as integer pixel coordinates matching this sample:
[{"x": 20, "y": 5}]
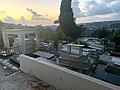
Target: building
[
  {"x": 21, "y": 40},
  {"x": 72, "y": 56},
  {"x": 94, "y": 43},
  {"x": 108, "y": 69}
]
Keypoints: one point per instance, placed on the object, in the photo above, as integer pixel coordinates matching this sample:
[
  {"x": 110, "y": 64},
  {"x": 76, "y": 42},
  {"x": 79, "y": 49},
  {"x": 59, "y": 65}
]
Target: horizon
[{"x": 41, "y": 12}]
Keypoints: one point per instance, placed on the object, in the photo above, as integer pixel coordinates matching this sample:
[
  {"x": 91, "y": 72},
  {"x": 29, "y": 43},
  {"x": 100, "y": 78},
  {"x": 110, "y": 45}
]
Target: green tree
[
  {"x": 1, "y": 37},
  {"x": 66, "y": 20},
  {"x": 57, "y": 36},
  {"x": 1, "y": 40},
  {"x": 101, "y": 33},
  {"x": 47, "y": 34},
  {"x": 115, "y": 37}
]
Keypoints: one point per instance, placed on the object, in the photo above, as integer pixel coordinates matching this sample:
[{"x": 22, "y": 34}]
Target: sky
[{"x": 43, "y": 12}]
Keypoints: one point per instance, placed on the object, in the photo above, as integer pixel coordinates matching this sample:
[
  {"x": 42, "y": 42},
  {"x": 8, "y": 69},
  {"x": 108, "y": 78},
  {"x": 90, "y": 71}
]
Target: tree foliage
[
  {"x": 101, "y": 33},
  {"x": 1, "y": 40},
  {"x": 115, "y": 37},
  {"x": 66, "y": 20},
  {"x": 1, "y": 37},
  {"x": 49, "y": 35}
]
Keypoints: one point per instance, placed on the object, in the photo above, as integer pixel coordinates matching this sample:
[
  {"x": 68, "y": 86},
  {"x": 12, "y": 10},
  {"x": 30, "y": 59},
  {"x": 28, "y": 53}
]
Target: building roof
[
  {"x": 44, "y": 54},
  {"x": 75, "y": 45},
  {"x": 88, "y": 50},
  {"x": 105, "y": 58},
  {"x": 110, "y": 59},
  {"x": 44, "y": 59},
  {"x": 74, "y": 50},
  {"x": 95, "y": 47},
  {"x": 116, "y": 60}
]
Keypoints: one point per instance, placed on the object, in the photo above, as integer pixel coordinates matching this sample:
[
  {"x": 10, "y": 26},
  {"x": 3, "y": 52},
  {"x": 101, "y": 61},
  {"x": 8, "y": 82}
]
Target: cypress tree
[{"x": 66, "y": 20}]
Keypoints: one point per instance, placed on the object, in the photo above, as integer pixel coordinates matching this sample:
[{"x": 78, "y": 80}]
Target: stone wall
[{"x": 60, "y": 77}]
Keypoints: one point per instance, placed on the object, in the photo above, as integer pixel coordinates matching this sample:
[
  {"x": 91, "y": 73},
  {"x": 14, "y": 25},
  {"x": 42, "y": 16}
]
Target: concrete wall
[{"x": 60, "y": 77}]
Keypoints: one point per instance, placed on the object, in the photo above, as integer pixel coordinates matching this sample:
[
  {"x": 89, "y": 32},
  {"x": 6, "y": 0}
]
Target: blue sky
[{"x": 46, "y": 11}]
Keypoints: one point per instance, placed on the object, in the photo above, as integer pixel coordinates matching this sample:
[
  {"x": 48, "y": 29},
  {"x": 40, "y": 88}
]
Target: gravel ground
[{"x": 21, "y": 81}]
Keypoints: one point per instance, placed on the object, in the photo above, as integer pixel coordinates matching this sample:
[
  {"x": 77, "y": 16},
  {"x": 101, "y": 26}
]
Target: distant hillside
[
  {"x": 11, "y": 26},
  {"x": 52, "y": 27},
  {"x": 19, "y": 26},
  {"x": 109, "y": 24}
]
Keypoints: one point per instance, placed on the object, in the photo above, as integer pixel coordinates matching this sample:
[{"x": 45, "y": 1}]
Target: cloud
[
  {"x": 22, "y": 18},
  {"x": 2, "y": 12},
  {"x": 96, "y": 18},
  {"x": 76, "y": 10},
  {"x": 105, "y": 10},
  {"x": 93, "y": 8},
  {"x": 35, "y": 14},
  {"x": 23, "y": 21},
  {"x": 92, "y": 19},
  {"x": 115, "y": 16},
  {"x": 9, "y": 19},
  {"x": 109, "y": 1},
  {"x": 38, "y": 17},
  {"x": 115, "y": 6}
]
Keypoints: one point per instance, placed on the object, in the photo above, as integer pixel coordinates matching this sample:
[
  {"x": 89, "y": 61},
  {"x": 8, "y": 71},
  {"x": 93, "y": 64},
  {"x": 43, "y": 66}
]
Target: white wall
[{"x": 62, "y": 78}]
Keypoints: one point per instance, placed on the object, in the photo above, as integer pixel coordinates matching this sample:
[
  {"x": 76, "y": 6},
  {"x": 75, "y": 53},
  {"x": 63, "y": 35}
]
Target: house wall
[{"x": 60, "y": 77}]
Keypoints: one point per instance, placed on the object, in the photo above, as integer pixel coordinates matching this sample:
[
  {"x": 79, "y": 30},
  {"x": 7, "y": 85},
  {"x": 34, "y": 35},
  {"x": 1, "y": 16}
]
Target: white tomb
[{"x": 21, "y": 37}]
